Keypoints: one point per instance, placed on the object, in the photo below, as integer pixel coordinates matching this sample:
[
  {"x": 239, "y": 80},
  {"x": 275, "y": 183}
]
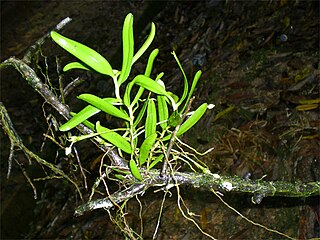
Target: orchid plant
[{"x": 150, "y": 117}]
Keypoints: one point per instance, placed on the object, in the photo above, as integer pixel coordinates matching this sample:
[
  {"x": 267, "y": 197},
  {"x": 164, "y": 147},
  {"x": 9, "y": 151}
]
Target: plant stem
[{"x": 172, "y": 140}]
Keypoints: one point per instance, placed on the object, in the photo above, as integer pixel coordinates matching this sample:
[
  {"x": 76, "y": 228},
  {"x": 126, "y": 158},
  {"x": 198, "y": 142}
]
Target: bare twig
[
  {"x": 35, "y": 195},
  {"x": 81, "y": 169},
  {"x": 7, "y": 127},
  {"x": 109, "y": 202}
]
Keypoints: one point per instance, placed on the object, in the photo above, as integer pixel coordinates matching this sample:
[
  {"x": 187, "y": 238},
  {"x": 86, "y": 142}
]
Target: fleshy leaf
[
  {"x": 128, "y": 48},
  {"x": 146, "y": 147},
  {"x": 103, "y": 106},
  {"x": 193, "y": 119},
  {"x": 141, "y": 113},
  {"x": 151, "y": 59},
  {"x": 185, "y": 80},
  {"x": 84, "y": 53},
  {"x": 146, "y": 44},
  {"x": 85, "y": 122},
  {"x": 114, "y": 138},
  {"x": 75, "y": 65},
  {"x": 193, "y": 86},
  {"x": 150, "y": 84},
  {"x": 147, "y": 73},
  {"x": 190, "y": 122},
  {"x": 78, "y": 118},
  {"x": 163, "y": 111},
  {"x": 83, "y": 115},
  {"x": 223, "y": 112},
  {"x": 156, "y": 161},
  {"x": 134, "y": 170},
  {"x": 174, "y": 119},
  {"x": 151, "y": 119},
  {"x": 146, "y": 83}
]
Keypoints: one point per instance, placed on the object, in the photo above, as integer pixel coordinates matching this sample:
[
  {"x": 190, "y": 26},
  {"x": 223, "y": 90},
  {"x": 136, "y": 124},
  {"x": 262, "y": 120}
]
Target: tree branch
[
  {"x": 206, "y": 181},
  {"x": 16, "y": 142},
  {"x": 32, "y": 79}
]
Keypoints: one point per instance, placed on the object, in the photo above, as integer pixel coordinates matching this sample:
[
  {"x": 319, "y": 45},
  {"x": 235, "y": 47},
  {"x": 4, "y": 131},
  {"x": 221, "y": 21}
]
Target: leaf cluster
[{"x": 150, "y": 117}]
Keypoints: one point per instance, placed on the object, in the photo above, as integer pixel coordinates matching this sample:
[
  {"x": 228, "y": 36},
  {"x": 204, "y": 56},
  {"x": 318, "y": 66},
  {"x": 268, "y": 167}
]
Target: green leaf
[
  {"x": 126, "y": 97},
  {"x": 84, "y": 114},
  {"x": 138, "y": 96},
  {"x": 114, "y": 138},
  {"x": 85, "y": 122},
  {"x": 146, "y": 147},
  {"x": 173, "y": 96},
  {"x": 149, "y": 84},
  {"x": 141, "y": 113},
  {"x": 193, "y": 86},
  {"x": 88, "y": 124},
  {"x": 151, "y": 59},
  {"x": 103, "y": 106},
  {"x": 190, "y": 122},
  {"x": 147, "y": 73},
  {"x": 151, "y": 119},
  {"x": 157, "y": 160},
  {"x": 84, "y": 53},
  {"x": 75, "y": 65},
  {"x": 119, "y": 176},
  {"x": 134, "y": 170},
  {"x": 158, "y": 79},
  {"x": 163, "y": 111},
  {"x": 81, "y": 116},
  {"x": 185, "y": 80},
  {"x": 193, "y": 119},
  {"x": 146, "y": 83},
  {"x": 146, "y": 44},
  {"x": 128, "y": 48}
]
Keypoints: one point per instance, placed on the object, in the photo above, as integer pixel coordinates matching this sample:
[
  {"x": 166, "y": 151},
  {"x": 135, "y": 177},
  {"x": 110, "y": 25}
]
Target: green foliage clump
[{"x": 153, "y": 118}]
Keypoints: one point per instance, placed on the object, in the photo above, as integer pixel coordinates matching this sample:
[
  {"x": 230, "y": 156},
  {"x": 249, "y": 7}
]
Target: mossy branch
[
  {"x": 17, "y": 144},
  {"x": 206, "y": 181}
]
